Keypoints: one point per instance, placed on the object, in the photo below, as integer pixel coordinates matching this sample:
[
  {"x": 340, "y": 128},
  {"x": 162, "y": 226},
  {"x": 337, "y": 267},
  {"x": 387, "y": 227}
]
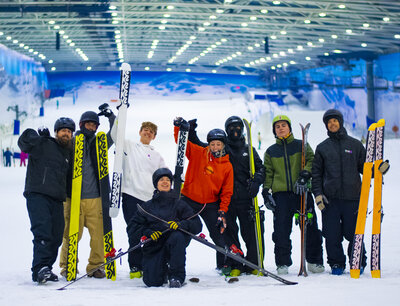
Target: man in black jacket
[
  {"x": 165, "y": 257},
  {"x": 336, "y": 185},
  {"x": 244, "y": 189},
  {"x": 45, "y": 191}
]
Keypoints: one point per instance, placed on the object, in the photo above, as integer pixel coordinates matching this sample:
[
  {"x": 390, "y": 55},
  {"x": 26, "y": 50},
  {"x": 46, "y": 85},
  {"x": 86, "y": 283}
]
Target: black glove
[
  {"x": 321, "y": 201},
  {"x": 192, "y": 124},
  {"x": 105, "y": 110},
  {"x": 300, "y": 186},
  {"x": 252, "y": 187},
  {"x": 384, "y": 167},
  {"x": 221, "y": 221},
  {"x": 43, "y": 131},
  {"x": 269, "y": 201}
]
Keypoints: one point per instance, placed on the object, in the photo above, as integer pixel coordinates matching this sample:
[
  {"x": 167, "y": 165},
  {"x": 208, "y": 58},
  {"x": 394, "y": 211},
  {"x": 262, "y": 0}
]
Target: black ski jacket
[
  {"x": 337, "y": 165},
  {"x": 239, "y": 157},
  {"x": 47, "y": 165},
  {"x": 168, "y": 207}
]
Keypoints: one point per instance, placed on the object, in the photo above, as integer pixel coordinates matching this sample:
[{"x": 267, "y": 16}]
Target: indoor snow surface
[{"x": 320, "y": 289}]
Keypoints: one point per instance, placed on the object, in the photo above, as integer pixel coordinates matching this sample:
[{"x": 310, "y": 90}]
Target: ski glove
[
  {"x": 321, "y": 201},
  {"x": 221, "y": 221},
  {"x": 44, "y": 131},
  {"x": 105, "y": 110},
  {"x": 252, "y": 187},
  {"x": 193, "y": 124},
  {"x": 268, "y": 200},
  {"x": 384, "y": 167},
  {"x": 300, "y": 186},
  {"x": 155, "y": 235},
  {"x": 173, "y": 225}
]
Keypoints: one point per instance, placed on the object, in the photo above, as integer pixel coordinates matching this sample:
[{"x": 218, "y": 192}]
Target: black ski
[{"x": 226, "y": 252}]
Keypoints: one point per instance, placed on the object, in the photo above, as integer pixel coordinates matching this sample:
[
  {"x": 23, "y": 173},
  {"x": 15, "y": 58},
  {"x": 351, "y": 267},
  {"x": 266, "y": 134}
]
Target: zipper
[
  {"x": 44, "y": 176},
  {"x": 287, "y": 166}
]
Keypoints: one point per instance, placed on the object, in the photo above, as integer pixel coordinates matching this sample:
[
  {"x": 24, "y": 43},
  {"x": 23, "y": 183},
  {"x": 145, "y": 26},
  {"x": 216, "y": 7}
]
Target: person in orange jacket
[{"x": 209, "y": 182}]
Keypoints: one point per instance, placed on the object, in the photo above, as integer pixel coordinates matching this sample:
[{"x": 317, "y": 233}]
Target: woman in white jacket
[{"x": 140, "y": 160}]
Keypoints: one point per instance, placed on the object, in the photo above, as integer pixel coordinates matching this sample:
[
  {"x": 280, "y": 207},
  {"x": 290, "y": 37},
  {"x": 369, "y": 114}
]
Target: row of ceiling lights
[{"x": 169, "y": 69}]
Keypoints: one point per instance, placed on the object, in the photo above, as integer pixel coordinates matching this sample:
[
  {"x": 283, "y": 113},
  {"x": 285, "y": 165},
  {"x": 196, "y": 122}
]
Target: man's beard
[{"x": 64, "y": 142}]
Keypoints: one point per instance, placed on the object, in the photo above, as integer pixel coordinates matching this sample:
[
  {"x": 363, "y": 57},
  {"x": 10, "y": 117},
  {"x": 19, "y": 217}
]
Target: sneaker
[
  {"x": 282, "y": 270},
  {"x": 43, "y": 275},
  {"x": 99, "y": 273},
  {"x": 135, "y": 273},
  {"x": 337, "y": 270},
  {"x": 315, "y": 268},
  {"x": 174, "y": 283},
  {"x": 226, "y": 270},
  {"x": 235, "y": 272}
]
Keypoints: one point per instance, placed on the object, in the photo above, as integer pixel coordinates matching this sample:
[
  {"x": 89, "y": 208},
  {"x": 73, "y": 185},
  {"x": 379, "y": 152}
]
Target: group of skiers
[{"x": 219, "y": 187}]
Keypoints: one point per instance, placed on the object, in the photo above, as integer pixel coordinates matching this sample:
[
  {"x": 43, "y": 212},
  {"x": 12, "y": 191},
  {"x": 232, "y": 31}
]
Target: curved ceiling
[{"x": 203, "y": 36}]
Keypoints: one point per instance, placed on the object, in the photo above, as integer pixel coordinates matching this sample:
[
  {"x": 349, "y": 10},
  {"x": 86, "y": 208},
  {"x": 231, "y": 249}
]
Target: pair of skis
[
  {"x": 373, "y": 160},
  {"x": 109, "y": 209}
]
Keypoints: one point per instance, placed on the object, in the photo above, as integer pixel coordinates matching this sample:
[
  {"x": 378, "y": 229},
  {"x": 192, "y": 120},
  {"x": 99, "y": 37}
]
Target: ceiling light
[
  {"x": 366, "y": 25},
  {"x": 279, "y": 65},
  {"x": 397, "y": 36},
  {"x": 188, "y": 70},
  {"x": 364, "y": 45},
  {"x": 334, "y": 36},
  {"x": 52, "y": 22},
  {"x": 56, "y": 27},
  {"x": 321, "y": 40},
  {"x": 300, "y": 48},
  {"x": 114, "y": 14},
  {"x": 307, "y": 21},
  {"x": 283, "y": 32},
  {"x": 26, "y": 47},
  {"x": 35, "y": 52},
  {"x": 219, "y": 11},
  {"x": 88, "y": 68},
  {"x": 21, "y": 45},
  {"x": 253, "y": 18},
  {"x": 30, "y": 50},
  {"x": 290, "y": 50},
  {"x": 275, "y": 55},
  {"x": 322, "y": 14},
  {"x": 15, "y": 41},
  {"x": 161, "y": 27},
  {"x": 285, "y": 64},
  {"x": 348, "y": 31},
  {"x": 65, "y": 36},
  {"x": 214, "y": 71},
  {"x": 276, "y": 2},
  {"x": 310, "y": 44},
  {"x": 326, "y": 54},
  {"x": 308, "y": 58},
  {"x": 53, "y": 68},
  {"x": 170, "y": 7},
  {"x": 273, "y": 67},
  {"x": 244, "y": 24},
  {"x": 146, "y": 68},
  {"x": 213, "y": 17},
  {"x": 72, "y": 44},
  {"x": 242, "y": 72},
  {"x": 51, "y": 61},
  {"x": 8, "y": 37},
  {"x": 164, "y": 21},
  {"x": 273, "y": 37},
  {"x": 247, "y": 65},
  {"x": 386, "y": 19},
  {"x": 168, "y": 69},
  {"x": 112, "y": 7},
  {"x": 264, "y": 11},
  {"x": 257, "y": 45},
  {"x": 201, "y": 29},
  {"x": 115, "y": 22},
  {"x": 282, "y": 53},
  {"x": 342, "y": 6},
  {"x": 292, "y": 62},
  {"x": 250, "y": 48},
  {"x": 117, "y": 31},
  {"x": 337, "y": 51},
  {"x": 69, "y": 41},
  {"x": 206, "y": 24}
]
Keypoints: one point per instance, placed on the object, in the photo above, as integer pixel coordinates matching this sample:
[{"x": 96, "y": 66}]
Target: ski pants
[
  {"x": 244, "y": 211},
  {"x": 210, "y": 216},
  {"x": 339, "y": 221},
  {"x": 287, "y": 204},
  {"x": 169, "y": 261},
  {"x": 129, "y": 208},
  {"x": 47, "y": 225},
  {"x": 90, "y": 217}
]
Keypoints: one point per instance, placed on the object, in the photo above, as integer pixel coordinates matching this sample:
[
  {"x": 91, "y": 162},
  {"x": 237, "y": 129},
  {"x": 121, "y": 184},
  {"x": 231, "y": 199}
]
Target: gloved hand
[
  {"x": 321, "y": 201},
  {"x": 155, "y": 235},
  {"x": 268, "y": 200},
  {"x": 221, "y": 221},
  {"x": 173, "y": 225},
  {"x": 192, "y": 124},
  {"x": 105, "y": 110},
  {"x": 43, "y": 131},
  {"x": 384, "y": 167},
  {"x": 300, "y": 186},
  {"x": 252, "y": 187}
]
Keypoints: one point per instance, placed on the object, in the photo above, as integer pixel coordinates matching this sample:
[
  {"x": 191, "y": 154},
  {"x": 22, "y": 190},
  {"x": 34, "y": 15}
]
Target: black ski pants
[
  {"x": 244, "y": 212},
  {"x": 339, "y": 221},
  {"x": 287, "y": 204},
  {"x": 129, "y": 208},
  {"x": 168, "y": 262},
  {"x": 47, "y": 226},
  {"x": 210, "y": 216}
]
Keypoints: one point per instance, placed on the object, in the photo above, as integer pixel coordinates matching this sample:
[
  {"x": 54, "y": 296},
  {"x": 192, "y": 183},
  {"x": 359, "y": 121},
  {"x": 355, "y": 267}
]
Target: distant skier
[
  {"x": 45, "y": 191},
  {"x": 7, "y": 155},
  {"x": 90, "y": 204},
  {"x": 287, "y": 181},
  {"x": 140, "y": 160},
  {"x": 23, "y": 156},
  {"x": 209, "y": 182},
  {"x": 259, "y": 140},
  {"x": 164, "y": 258},
  {"x": 336, "y": 185}
]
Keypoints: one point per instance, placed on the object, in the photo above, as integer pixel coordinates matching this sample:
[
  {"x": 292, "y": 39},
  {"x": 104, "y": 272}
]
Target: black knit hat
[
  {"x": 159, "y": 173},
  {"x": 332, "y": 113}
]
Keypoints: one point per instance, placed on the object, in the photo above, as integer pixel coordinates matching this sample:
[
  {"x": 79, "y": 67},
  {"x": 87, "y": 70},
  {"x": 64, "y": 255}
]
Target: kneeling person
[{"x": 164, "y": 257}]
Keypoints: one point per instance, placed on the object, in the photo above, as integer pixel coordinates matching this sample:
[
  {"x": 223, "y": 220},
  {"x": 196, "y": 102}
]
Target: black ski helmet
[
  {"x": 64, "y": 123},
  {"x": 159, "y": 173},
  {"x": 233, "y": 120},
  {"x": 333, "y": 113},
  {"x": 216, "y": 134},
  {"x": 89, "y": 116}
]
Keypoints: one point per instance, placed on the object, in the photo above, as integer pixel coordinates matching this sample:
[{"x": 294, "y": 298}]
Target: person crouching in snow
[{"x": 164, "y": 258}]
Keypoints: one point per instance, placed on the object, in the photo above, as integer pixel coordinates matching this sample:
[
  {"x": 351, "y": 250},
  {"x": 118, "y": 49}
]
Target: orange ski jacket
[{"x": 208, "y": 179}]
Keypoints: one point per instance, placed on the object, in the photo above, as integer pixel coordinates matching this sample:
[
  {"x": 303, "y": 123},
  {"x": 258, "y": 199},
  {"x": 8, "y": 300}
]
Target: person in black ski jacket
[
  {"x": 244, "y": 189},
  {"x": 45, "y": 191},
  {"x": 90, "y": 205},
  {"x": 164, "y": 258},
  {"x": 336, "y": 185}
]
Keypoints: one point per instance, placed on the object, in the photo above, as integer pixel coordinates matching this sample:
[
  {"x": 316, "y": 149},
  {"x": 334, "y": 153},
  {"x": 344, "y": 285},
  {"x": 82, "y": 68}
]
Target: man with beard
[
  {"x": 45, "y": 191},
  {"x": 91, "y": 215}
]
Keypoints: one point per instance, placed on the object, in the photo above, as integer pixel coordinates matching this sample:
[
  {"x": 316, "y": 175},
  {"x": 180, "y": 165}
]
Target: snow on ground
[{"x": 15, "y": 277}]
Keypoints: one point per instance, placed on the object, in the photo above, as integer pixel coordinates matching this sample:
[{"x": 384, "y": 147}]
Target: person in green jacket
[{"x": 284, "y": 183}]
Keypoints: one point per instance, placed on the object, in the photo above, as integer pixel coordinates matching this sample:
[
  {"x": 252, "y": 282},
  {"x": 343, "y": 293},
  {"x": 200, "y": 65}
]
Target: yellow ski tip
[
  {"x": 381, "y": 122},
  {"x": 376, "y": 274},
  {"x": 372, "y": 127},
  {"x": 355, "y": 273}
]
